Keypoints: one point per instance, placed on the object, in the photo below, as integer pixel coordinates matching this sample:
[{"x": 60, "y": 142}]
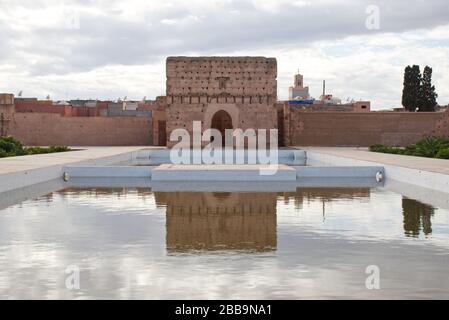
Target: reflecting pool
[{"x": 138, "y": 244}]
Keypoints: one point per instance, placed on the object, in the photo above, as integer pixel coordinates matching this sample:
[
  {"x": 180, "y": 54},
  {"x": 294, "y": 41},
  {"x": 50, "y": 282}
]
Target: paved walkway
[
  {"x": 417, "y": 163},
  {"x": 17, "y": 172},
  {"x": 23, "y": 171},
  {"x": 31, "y": 162}
]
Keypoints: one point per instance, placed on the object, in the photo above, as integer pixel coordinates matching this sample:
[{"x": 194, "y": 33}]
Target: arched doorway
[{"x": 221, "y": 121}]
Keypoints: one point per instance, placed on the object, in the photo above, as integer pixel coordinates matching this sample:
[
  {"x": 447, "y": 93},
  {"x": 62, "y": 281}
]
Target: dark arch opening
[{"x": 221, "y": 121}]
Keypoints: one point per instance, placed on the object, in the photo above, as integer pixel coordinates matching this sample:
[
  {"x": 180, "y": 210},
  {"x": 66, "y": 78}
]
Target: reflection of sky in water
[
  {"x": 122, "y": 243},
  {"x": 380, "y": 216}
]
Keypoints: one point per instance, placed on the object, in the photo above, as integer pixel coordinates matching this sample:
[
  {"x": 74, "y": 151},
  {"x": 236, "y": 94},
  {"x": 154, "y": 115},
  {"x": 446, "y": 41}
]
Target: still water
[{"x": 139, "y": 244}]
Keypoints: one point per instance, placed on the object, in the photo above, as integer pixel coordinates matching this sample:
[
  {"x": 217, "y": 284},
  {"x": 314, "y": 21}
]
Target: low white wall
[
  {"x": 108, "y": 172},
  {"x": 162, "y": 156},
  {"x": 421, "y": 178},
  {"x": 23, "y": 178},
  {"x": 172, "y": 172}
]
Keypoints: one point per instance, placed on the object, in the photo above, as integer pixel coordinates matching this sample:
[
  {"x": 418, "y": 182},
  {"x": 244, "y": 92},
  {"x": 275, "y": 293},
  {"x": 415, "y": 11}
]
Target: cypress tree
[
  {"x": 411, "y": 94},
  {"x": 405, "y": 91},
  {"x": 429, "y": 96}
]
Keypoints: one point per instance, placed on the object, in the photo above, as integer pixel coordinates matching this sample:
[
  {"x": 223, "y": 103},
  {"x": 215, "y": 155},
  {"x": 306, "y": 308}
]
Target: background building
[
  {"x": 298, "y": 91},
  {"x": 6, "y": 112},
  {"x": 221, "y": 92},
  {"x": 299, "y": 97}
]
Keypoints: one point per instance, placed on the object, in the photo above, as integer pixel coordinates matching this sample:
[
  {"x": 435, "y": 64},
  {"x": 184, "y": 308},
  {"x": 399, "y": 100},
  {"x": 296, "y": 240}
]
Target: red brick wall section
[
  {"x": 52, "y": 129},
  {"x": 43, "y": 106},
  {"x": 300, "y": 128},
  {"x": 157, "y": 116},
  {"x": 358, "y": 129},
  {"x": 442, "y": 127}
]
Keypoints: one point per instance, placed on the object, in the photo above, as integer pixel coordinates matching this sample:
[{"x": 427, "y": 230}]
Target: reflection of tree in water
[
  {"x": 98, "y": 192},
  {"x": 325, "y": 195},
  {"x": 417, "y": 217}
]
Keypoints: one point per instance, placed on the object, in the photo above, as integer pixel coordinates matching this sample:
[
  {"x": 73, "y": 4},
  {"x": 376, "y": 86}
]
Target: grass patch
[
  {"x": 11, "y": 147},
  {"x": 428, "y": 147}
]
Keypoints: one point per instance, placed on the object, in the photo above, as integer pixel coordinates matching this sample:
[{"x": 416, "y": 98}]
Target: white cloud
[
  {"x": 120, "y": 47},
  {"x": 273, "y": 6}
]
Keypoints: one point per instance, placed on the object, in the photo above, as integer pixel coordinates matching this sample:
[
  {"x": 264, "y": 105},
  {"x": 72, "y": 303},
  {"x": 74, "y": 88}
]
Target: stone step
[
  {"x": 179, "y": 172},
  {"x": 339, "y": 172},
  {"x": 162, "y": 156}
]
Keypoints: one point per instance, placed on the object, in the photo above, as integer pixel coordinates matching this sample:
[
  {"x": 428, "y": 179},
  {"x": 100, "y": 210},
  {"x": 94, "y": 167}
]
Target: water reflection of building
[
  {"x": 96, "y": 192},
  {"x": 324, "y": 195},
  {"x": 219, "y": 221},
  {"x": 417, "y": 217}
]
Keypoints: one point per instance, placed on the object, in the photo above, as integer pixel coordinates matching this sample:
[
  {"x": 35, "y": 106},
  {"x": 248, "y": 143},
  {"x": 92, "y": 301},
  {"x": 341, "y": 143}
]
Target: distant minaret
[
  {"x": 324, "y": 88},
  {"x": 298, "y": 90},
  {"x": 299, "y": 80}
]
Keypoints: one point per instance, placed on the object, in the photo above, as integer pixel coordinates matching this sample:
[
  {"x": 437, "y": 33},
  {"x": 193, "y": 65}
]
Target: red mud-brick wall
[
  {"x": 199, "y": 87},
  {"x": 442, "y": 126},
  {"x": 358, "y": 129},
  {"x": 38, "y": 106},
  {"x": 52, "y": 129}
]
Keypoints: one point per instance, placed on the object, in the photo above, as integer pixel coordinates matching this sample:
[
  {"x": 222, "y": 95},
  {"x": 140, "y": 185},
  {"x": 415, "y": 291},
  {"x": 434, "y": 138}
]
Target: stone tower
[
  {"x": 221, "y": 92},
  {"x": 6, "y": 112}
]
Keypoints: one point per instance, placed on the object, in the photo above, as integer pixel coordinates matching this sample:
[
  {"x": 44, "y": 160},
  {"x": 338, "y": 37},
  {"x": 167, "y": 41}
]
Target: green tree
[
  {"x": 411, "y": 94},
  {"x": 428, "y": 94}
]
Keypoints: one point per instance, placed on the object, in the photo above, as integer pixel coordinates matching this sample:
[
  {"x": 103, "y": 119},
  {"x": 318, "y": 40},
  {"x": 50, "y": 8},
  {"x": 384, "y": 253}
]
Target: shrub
[
  {"x": 410, "y": 150},
  {"x": 385, "y": 149},
  {"x": 9, "y": 147},
  {"x": 41, "y": 150},
  {"x": 443, "y": 154},
  {"x": 431, "y": 147},
  {"x": 377, "y": 148},
  {"x": 59, "y": 149},
  {"x": 3, "y": 154}
]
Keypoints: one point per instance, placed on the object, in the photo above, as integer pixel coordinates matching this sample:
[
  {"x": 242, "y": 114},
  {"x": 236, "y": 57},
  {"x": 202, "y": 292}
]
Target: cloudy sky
[{"x": 107, "y": 49}]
